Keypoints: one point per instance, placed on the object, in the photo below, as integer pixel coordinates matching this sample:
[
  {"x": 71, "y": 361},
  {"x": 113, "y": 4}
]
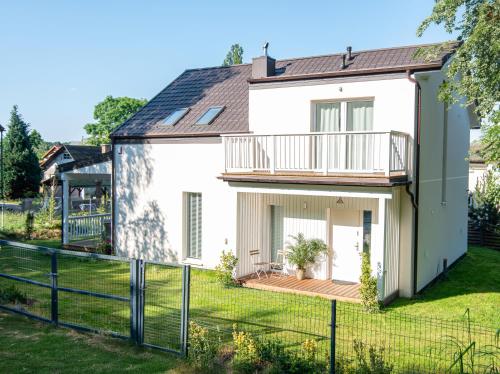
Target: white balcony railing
[
  {"x": 86, "y": 227},
  {"x": 340, "y": 152}
]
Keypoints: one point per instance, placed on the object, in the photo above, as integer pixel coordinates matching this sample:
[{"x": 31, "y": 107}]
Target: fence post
[
  {"x": 333, "y": 326},
  {"x": 186, "y": 286},
  {"x": 54, "y": 297},
  {"x": 133, "y": 299},
  {"x": 141, "y": 300}
]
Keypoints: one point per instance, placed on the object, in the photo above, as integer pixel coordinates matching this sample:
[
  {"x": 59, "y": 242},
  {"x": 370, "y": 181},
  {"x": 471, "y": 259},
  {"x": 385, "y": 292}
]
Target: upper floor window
[
  {"x": 67, "y": 156},
  {"x": 175, "y": 116},
  {"x": 208, "y": 117},
  {"x": 356, "y": 115}
]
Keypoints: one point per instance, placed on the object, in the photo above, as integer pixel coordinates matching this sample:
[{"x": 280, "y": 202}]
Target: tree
[
  {"x": 39, "y": 145},
  {"x": 234, "y": 56},
  {"x": 109, "y": 114},
  {"x": 474, "y": 72},
  {"x": 22, "y": 171},
  {"x": 368, "y": 292}
]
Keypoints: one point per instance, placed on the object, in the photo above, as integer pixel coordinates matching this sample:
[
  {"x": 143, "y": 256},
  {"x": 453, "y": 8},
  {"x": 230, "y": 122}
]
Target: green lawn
[
  {"x": 474, "y": 283},
  {"x": 31, "y": 347}
]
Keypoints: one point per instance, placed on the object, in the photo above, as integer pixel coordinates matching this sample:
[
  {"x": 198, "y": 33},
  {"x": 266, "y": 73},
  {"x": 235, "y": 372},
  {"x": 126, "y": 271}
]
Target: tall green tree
[
  {"x": 109, "y": 114},
  {"x": 474, "y": 72},
  {"x": 39, "y": 145},
  {"x": 22, "y": 172},
  {"x": 234, "y": 56}
]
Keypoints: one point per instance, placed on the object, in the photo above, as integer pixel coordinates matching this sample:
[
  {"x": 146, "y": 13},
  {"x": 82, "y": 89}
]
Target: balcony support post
[
  {"x": 389, "y": 148},
  {"x": 272, "y": 155},
  {"x": 324, "y": 153}
]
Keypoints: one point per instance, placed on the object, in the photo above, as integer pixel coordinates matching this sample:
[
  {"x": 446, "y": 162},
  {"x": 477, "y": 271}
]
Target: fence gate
[{"x": 162, "y": 306}]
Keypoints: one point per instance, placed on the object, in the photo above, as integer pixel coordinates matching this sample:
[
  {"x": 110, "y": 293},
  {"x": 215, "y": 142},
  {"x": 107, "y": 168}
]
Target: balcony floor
[
  {"x": 375, "y": 180},
  {"x": 343, "y": 291}
]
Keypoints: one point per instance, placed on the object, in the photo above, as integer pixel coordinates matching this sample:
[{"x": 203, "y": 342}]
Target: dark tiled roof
[
  {"x": 200, "y": 89},
  {"x": 77, "y": 152},
  {"x": 96, "y": 159},
  {"x": 83, "y": 152}
]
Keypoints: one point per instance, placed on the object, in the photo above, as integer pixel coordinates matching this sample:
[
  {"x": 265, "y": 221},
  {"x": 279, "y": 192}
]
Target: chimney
[
  {"x": 343, "y": 66},
  {"x": 263, "y": 66},
  {"x": 105, "y": 148},
  {"x": 349, "y": 53}
]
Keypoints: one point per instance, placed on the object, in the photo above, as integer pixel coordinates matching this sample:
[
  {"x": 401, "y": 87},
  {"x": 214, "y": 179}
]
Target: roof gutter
[
  {"x": 347, "y": 73},
  {"x": 415, "y": 198}
]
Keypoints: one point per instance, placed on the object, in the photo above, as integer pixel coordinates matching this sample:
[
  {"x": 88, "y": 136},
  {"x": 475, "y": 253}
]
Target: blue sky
[{"x": 59, "y": 58}]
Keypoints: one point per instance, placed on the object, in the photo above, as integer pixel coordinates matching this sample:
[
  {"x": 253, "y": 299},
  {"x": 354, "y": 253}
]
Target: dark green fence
[{"x": 152, "y": 305}]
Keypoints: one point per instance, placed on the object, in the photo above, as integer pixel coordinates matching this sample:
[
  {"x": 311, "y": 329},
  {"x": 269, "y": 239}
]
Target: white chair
[
  {"x": 259, "y": 266},
  {"x": 278, "y": 265}
]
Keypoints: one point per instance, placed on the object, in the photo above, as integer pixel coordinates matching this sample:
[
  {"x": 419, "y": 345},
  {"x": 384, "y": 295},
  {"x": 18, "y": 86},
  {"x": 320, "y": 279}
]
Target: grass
[
  {"x": 473, "y": 283},
  {"x": 31, "y": 347}
]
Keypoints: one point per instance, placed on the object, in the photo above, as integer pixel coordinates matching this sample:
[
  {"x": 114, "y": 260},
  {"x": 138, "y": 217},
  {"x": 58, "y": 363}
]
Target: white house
[{"x": 353, "y": 148}]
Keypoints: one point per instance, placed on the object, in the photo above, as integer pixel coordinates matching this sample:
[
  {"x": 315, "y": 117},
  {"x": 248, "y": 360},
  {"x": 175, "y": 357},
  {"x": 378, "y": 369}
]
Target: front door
[{"x": 345, "y": 242}]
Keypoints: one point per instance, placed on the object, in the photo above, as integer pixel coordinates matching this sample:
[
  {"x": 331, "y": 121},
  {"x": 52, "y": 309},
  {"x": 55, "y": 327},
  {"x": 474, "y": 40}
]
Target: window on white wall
[
  {"x": 276, "y": 231},
  {"x": 359, "y": 116},
  {"x": 327, "y": 117},
  {"x": 194, "y": 224},
  {"x": 355, "y": 115}
]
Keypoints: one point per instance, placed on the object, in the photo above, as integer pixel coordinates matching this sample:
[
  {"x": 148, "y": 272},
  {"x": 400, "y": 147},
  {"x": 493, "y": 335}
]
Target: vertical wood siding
[{"x": 391, "y": 260}]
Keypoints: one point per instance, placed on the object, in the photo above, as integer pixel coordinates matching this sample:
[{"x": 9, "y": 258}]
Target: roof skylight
[
  {"x": 208, "y": 117},
  {"x": 175, "y": 116}
]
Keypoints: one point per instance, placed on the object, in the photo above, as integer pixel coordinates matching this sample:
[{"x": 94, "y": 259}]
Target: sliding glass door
[{"x": 346, "y": 151}]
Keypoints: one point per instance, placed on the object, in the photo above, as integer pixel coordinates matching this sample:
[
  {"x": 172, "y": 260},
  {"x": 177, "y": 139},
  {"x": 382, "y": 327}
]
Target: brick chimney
[{"x": 105, "y": 148}]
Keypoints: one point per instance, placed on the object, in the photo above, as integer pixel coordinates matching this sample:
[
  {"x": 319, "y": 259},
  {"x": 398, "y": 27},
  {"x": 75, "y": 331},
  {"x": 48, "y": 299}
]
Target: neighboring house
[
  {"x": 60, "y": 154},
  {"x": 90, "y": 173},
  {"x": 353, "y": 149}
]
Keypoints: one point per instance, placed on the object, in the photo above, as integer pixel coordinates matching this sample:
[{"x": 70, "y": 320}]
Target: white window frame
[
  {"x": 343, "y": 110},
  {"x": 187, "y": 228}
]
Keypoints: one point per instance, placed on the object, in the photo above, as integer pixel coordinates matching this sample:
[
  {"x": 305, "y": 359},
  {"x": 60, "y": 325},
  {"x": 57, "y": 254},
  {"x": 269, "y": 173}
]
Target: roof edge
[{"x": 347, "y": 73}]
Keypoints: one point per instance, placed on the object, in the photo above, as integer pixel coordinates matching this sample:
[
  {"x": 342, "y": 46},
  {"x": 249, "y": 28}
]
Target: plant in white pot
[{"x": 303, "y": 252}]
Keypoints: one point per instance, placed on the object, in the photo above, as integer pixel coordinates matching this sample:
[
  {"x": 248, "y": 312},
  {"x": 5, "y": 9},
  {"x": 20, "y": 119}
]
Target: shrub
[
  {"x": 368, "y": 285},
  {"x": 255, "y": 355},
  {"x": 485, "y": 214},
  {"x": 12, "y": 295},
  {"x": 371, "y": 363},
  {"x": 202, "y": 347},
  {"x": 225, "y": 269},
  {"x": 304, "y": 251},
  {"x": 29, "y": 225},
  {"x": 246, "y": 358}
]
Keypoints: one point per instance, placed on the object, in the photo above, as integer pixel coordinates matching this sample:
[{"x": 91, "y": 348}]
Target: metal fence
[{"x": 152, "y": 304}]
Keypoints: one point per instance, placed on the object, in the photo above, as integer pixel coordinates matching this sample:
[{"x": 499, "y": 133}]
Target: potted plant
[{"x": 304, "y": 252}]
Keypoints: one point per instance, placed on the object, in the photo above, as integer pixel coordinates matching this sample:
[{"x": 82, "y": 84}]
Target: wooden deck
[
  {"x": 343, "y": 291},
  {"x": 82, "y": 245}
]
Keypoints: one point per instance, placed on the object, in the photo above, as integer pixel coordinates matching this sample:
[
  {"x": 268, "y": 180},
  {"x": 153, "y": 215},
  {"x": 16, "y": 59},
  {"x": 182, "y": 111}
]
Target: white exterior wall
[
  {"x": 287, "y": 108},
  {"x": 442, "y": 224},
  {"x": 150, "y": 182}
]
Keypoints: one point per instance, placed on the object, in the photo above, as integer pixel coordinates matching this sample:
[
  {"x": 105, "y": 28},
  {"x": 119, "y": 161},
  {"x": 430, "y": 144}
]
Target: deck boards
[{"x": 311, "y": 287}]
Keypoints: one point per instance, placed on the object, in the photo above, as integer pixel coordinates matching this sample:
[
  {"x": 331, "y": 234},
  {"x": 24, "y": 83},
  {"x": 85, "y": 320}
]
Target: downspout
[
  {"x": 113, "y": 194},
  {"x": 415, "y": 198}
]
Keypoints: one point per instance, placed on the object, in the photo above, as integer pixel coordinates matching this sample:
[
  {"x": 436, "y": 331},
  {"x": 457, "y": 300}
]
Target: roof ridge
[{"x": 329, "y": 55}]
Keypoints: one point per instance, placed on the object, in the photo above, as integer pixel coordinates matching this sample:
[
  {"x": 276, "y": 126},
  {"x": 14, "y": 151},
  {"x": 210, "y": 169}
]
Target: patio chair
[
  {"x": 259, "y": 266},
  {"x": 278, "y": 266}
]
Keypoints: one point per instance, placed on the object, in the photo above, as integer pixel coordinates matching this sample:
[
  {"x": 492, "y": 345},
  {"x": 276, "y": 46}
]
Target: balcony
[{"x": 383, "y": 155}]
